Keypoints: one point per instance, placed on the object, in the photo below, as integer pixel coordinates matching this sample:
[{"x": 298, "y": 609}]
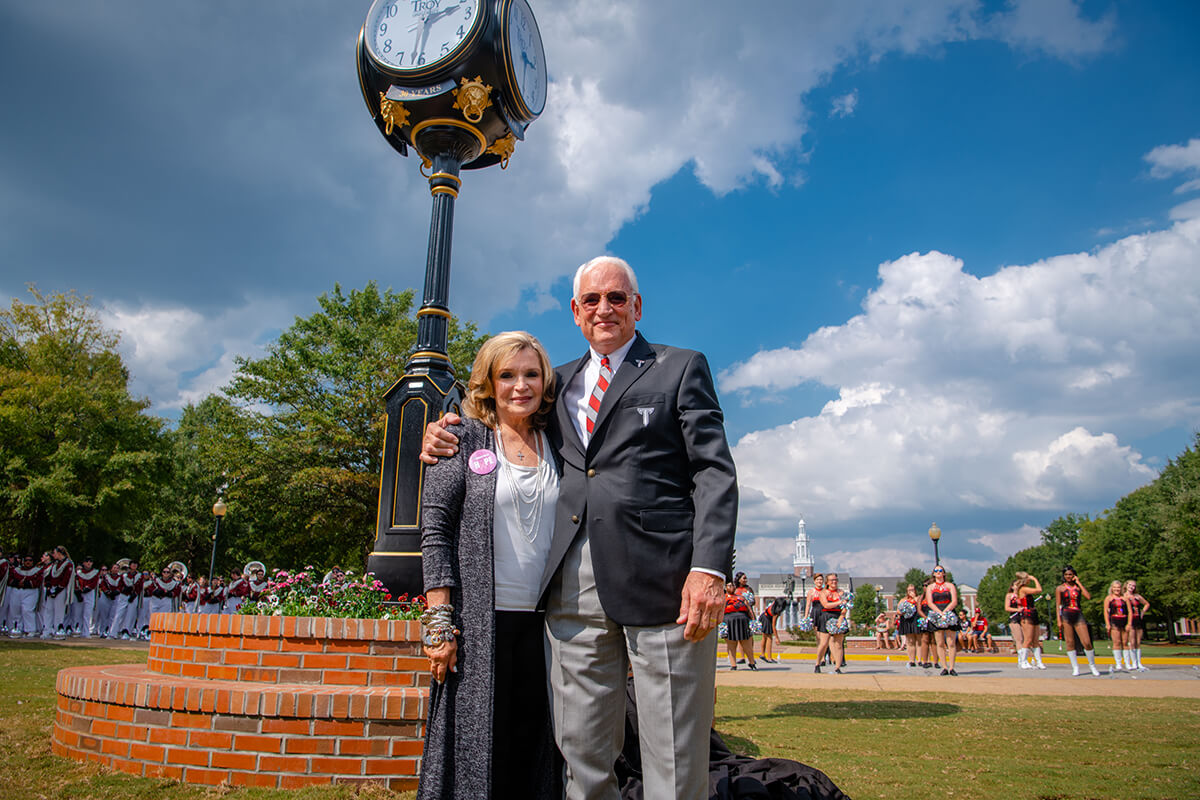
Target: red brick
[
  {"x": 323, "y": 727},
  {"x": 363, "y": 747},
  {"x": 390, "y": 679},
  {"x": 114, "y": 748},
  {"x": 403, "y": 747},
  {"x": 133, "y": 733},
  {"x": 190, "y": 670},
  {"x": 262, "y": 744},
  {"x": 304, "y": 645},
  {"x": 339, "y": 677},
  {"x": 297, "y": 727},
  {"x": 209, "y": 777},
  {"x": 265, "y": 780},
  {"x": 323, "y": 661},
  {"x": 163, "y": 771},
  {"x": 184, "y": 720},
  {"x": 147, "y": 752},
  {"x": 402, "y": 784},
  {"x": 211, "y": 739},
  {"x": 298, "y": 781},
  {"x": 299, "y": 676},
  {"x": 340, "y": 766},
  {"x": 349, "y": 646},
  {"x": 244, "y": 761},
  {"x": 242, "y": 658},
  {"x": 125, "y": 765},
  {"x": 183, "y": 654},
  {"x": 280, "y": 659},
  {"x": 194, "y": 758},
  {"x": 223, "y": 722},
  {"x": 68, "y": 738},
  {"x": 282, "y": 764},
  {"x": 371, "y": 662},
  {"x": 390, "y": 766},
  {"x": 216, "y": 672},
  {"x": 122, "y": 713},
  {"x": 309, "y": 745},
  {"x": 261, "y": 643},
  {"x": 168, "y": 736},
  {"x": 102, "y": 727}
]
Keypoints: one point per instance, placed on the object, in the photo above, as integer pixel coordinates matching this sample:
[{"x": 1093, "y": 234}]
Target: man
[
  {"x": 161, "y": 594},
  {"x": 236, "y": 592},
  {"x": 643, "y": 539},
  {"x": 125, "y": 607},
  {"x": 59, "y": 587},
  {"x": 106, "y": 597}
]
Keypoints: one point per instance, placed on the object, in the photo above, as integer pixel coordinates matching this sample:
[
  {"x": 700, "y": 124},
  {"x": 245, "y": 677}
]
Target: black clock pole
[{"x": 428, "y": 388}]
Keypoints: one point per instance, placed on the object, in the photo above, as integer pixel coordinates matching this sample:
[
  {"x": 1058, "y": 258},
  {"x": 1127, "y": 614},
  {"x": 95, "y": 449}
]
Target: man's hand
[
  {"x": 702, "y": 605},
  {"x": 439, "y": 442}
]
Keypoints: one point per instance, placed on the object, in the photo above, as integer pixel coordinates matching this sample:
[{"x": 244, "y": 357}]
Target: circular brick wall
[{"x": 259, "y": 701}]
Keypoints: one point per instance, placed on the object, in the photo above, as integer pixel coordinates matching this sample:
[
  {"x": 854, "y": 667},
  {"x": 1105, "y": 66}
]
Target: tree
[
  {"x": 864, "y": 612},
  {"x": 1045, "y": 561},
  {"x": 79, "y": 459},
  {"x": 303, "y": 451}
]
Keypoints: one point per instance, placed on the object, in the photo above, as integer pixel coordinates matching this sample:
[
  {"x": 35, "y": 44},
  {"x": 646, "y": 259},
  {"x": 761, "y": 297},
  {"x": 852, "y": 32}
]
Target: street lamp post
[
  {"x": 935, "y": 533},
  {"x": 219, "y": 509}
]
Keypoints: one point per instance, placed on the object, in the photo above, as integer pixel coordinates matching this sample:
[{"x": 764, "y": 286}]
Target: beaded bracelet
[{"x": 437, "y": 625}]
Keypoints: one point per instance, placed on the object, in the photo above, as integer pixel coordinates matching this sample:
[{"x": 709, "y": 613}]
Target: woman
[
  {"x": 816, "y": 613},
  {"x": 834, "y": 607},
  {"x": 486, "y": 523},
  {"x": 907, "y": 609},
  {"x": 1119, "y": 623},
  {"x": 943, "y": 597},
  {"x": 738, "y": 600},
  {"x": 1138, "y": 608},
  {"x": 1028, "y": 588},
  {"x": 770, "y": 633},
  {"x": 925, "y": 624},
  {"x": 966, "y": 635},
  {"x": 881, "y": 632},
  {"x": 1012, "y": 604},
  {"x": 1067, "y": 601}
]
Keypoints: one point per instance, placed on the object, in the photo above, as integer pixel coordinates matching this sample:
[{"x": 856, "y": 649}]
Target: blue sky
[{"x": 944, "y": 256}]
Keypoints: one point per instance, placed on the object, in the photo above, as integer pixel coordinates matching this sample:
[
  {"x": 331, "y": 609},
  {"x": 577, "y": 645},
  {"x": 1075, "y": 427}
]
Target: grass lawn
[{"x": 873, "y": 747}]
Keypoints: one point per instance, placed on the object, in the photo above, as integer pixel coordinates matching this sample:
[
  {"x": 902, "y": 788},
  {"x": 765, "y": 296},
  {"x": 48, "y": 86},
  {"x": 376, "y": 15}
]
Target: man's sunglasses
[{"x": 615, "y": 299}]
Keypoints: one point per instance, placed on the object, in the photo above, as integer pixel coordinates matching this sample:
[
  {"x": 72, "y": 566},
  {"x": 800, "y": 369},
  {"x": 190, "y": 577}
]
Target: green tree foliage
[
  {"x": 917, "y": 577},
  {"x": 303, "y": 451},
  {"x": 864, "y": 612},
  {"x": 78, "y": 458},
  {"x": 1151, "y": 535}
]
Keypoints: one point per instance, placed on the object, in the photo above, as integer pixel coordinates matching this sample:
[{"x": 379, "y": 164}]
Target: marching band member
[
  {"x": 191, "y": 594},
  {"x": 26, "y": 585},
  {"x": 81, "y": 616},
  {"x": 213, "y": 597},
  {"x": 105, "y": 598},
  {"x": 236, "y": 592},
  {"x": 258, "y": 581},
  {"x": 58, "y": 586},
  {"x": 125, "y": 607},
  {"x": 142, "y": 626},
  {"x": 161, "y": 594},
  {"x": 5, "y": 596}
]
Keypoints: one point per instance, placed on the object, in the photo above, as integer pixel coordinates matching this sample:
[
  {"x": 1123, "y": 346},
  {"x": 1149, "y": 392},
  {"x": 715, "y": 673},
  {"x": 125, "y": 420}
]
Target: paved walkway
[{"x": 977, "y": 674}]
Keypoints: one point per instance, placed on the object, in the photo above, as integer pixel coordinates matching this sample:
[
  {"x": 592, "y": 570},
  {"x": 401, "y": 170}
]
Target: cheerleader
[
  {"x": 907, "y": 610},
  {"x": 1027, "y": 588},
  {"x": 834, "y": 607},
  {"x": 1138, "y": 608},
  {"x": 1012, "y": 605},
  {"x": 927, "y": 650},
  {"x": 943, "y": 597},
  {"x": 1119, "y": 622},
  {"x": 770, "y": 628},
  {"x": 1067, "y": 598},
  {"x": 816, "y": 614}
]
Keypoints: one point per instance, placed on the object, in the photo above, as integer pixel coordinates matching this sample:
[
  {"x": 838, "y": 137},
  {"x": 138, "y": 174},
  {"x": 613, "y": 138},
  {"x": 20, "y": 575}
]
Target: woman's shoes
[
  {"x": 944, "y": 672},
  {"x": 817, "y": 669},
  {"x": 838, "y": 671},
  {"x": 955, "y": 674},
  {"x": 754, "y": 667},
  {"x": 733, "y": 668}
]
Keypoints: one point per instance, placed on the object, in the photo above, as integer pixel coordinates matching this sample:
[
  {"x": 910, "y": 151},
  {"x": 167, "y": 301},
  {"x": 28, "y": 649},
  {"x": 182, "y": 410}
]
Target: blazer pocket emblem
[{"x": 645, "y": 412}]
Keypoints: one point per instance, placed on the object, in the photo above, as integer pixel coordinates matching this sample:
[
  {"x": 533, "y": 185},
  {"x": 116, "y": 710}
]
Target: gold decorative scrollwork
[
  {"x": 425, "y": 164},
  {"x": 393, "y": 112},
  {"x": 472, "y": 98},
  {"x": 504, "y": 147}
]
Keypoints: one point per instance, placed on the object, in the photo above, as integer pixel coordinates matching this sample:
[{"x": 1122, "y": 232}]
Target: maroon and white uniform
[
  {"x": 190, "y": 598},
  {"x": 212, "y": 598},
  {"x": 125, "y": 606},
  {"x": 236, "y": 594},
  {"x": 106, "y": 596},
  {"x": 26, "y": 586},
  {"x": 81, "y": 616},
  {"x": 161, "y": 595}
]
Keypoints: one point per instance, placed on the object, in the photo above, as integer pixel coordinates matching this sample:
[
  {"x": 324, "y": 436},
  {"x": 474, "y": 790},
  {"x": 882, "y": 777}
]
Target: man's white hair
[{"x": 597, "y": 261}]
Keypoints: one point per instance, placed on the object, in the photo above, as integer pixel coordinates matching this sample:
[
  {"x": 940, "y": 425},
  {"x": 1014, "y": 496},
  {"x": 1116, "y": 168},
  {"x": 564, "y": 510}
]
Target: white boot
[
  {"x": 1037, "y": 658},
  {"x": 1138, "y": 659},
  {"x": 1130, "y": 662},
  {"x": 1022, "y": 658},
  {"x": 1074, "y": 659},
  {"x": 1091, "y": 657},
  {"x": 1119, "y": 658}
]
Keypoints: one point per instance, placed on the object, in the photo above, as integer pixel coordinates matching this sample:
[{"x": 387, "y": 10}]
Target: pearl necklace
[{"x": 528, "y": 507}]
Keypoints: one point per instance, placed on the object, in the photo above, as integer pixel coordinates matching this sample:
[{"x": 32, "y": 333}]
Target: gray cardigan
[{"x": 457, "y": 509}]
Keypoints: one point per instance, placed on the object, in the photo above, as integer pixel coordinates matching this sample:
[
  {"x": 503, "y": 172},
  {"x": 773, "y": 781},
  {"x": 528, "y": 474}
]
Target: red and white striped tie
[{"x": 598, "y": 394}]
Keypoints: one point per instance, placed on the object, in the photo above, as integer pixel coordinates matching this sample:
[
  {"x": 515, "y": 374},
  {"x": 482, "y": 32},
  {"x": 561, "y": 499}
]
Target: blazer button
[
  {"x": 575, "y": 518},
  {"x": 591, "y": 473}
]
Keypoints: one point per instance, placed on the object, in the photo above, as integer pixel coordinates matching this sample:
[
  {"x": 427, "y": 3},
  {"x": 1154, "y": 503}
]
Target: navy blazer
[{"x": 655, "y": 489}]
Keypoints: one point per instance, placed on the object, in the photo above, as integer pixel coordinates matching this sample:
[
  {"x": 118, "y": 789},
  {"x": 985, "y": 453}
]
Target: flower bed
[{"x": 255, "y": 700}]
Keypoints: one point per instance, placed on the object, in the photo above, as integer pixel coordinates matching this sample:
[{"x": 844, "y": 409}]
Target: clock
[
  {"x": 409, "y": 38},
  {"x": 525, "y": 59}
]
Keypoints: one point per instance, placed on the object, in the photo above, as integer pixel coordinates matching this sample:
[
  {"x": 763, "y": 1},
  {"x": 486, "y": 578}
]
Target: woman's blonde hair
[{"x": 480, "y": 402}]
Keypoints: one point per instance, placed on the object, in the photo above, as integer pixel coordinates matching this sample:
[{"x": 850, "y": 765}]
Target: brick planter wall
[{"x": 258, "y": 701}]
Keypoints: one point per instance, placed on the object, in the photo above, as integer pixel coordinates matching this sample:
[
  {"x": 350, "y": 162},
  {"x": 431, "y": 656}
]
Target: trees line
[{"x": 292, "y": 444}]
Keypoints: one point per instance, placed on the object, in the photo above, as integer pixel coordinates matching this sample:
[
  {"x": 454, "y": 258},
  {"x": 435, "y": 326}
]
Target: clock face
[
  {"x": 411, "y": 36},
  {"x": 526, "y": 58}
]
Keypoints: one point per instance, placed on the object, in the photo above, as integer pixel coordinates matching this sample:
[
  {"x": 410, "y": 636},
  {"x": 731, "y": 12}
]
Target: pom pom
[
  {"x": 805, "y": 624},
  {"x": 723, "y": 630},
  {"x": 835, "y": 626},
  {"x": 906, "y": 609}
]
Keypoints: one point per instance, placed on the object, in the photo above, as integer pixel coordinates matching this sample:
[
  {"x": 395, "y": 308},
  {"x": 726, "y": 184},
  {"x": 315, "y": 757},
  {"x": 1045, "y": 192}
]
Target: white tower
[{"x": 802, "y": 561}]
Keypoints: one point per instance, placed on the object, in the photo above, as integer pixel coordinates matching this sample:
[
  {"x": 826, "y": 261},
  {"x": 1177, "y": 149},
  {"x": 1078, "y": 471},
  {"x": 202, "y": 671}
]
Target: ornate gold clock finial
[
  {"x": 393, "y": 112},
  {"x": 472, "y": 98},
  {"x": 504, "y": 147}
]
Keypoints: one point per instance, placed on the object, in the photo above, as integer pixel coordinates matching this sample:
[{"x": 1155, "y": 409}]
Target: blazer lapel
[
  {"x": 563, "y": 414},
  {"x": 637, "y": 361}
]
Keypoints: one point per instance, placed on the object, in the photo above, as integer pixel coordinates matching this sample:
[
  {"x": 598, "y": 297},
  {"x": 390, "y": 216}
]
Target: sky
[{"x": 943, "y": 256}]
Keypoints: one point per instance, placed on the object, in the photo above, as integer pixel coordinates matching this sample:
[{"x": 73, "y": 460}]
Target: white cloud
[
  {"x": 1006, "y": 543},
  {"x": 844, "y": 105},
  {"x": 1170, "y": 159},
  {"x": 1053, "y": 26},
  {"x": 966, "y": 394}
]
